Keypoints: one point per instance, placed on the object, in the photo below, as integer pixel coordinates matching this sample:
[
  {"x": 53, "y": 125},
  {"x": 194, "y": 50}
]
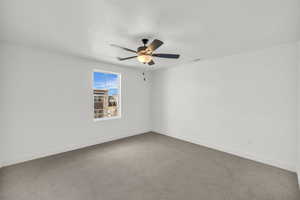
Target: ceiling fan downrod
[{"x": 145, "y": 41}]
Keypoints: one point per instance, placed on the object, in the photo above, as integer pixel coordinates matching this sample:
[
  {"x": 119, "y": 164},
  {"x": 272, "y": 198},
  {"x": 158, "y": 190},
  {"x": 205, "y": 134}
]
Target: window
[{"x": 107, "y": 95}]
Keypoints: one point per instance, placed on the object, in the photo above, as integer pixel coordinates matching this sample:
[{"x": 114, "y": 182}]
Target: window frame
[{"x": 120, "y": 95}]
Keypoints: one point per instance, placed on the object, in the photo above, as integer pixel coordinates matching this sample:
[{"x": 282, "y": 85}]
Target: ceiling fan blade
[
  {"x": 126, "y": 58},
  {"x": 154, "y": 45},
  {"x": 126, "y": 49},
  {"x": 151, "y": 62},
  {"x": 166, "y": 55}
]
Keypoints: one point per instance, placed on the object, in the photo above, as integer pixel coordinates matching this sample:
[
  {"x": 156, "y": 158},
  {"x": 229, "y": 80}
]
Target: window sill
[{"x": 106, "y": 118}]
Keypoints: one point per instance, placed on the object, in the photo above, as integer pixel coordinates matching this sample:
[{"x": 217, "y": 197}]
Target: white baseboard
[
  {"x": 67, "y": 148},
  {"x": 25, "y": 158},
  {"x": 249, "y": 156},
  {"x": 298, "y": 175}
]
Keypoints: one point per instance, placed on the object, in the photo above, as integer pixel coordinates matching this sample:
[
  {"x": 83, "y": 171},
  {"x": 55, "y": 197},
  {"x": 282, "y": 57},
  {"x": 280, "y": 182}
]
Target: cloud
[{"x": 105, "y": 81}]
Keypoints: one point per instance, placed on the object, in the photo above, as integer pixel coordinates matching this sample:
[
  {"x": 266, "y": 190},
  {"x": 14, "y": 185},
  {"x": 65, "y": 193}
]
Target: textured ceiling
[{"x": 194, "y": 28}]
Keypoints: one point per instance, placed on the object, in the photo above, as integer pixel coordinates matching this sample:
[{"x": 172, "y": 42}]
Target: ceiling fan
[{"x": 145, "y": 54}]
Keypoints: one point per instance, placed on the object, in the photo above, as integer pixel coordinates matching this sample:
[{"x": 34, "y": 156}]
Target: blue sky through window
[{"x": 106, "y": 81}]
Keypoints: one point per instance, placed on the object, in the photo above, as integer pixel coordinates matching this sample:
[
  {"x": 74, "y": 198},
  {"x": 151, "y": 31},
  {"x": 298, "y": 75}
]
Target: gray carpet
[{"x": 146, "y": 167}]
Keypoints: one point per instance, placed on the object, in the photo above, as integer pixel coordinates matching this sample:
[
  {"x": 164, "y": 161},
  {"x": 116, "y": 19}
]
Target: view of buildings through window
[{"x": 106, "y": 91}]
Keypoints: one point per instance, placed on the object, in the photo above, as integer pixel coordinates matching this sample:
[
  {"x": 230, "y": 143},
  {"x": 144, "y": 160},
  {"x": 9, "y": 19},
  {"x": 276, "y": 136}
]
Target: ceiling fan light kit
[
  {"x": 145, "y": 53},
  {"x": 144, "y": 58}
]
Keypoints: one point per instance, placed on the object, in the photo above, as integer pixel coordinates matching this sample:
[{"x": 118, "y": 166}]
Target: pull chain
[
  {"x": 144, "y": 73},
  {"x": 144, "y": 76}
]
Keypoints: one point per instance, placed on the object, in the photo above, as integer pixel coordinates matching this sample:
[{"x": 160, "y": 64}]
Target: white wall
[
  {"x": 46, "y": 104},
  {"x": 298, "y": 131},
  {"x": 243, "y": 104}
]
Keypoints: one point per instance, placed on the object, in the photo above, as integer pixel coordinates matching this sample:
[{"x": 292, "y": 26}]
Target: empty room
[{"x": 150, "y": 100}]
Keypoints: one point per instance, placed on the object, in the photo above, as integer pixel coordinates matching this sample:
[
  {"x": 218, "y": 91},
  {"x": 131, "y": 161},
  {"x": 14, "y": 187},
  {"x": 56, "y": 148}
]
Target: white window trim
[{"x": 120, "y": 96}]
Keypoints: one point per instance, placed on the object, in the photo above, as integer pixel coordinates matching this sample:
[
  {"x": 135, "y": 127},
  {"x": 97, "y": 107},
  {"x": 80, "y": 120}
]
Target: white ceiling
[{"x": 193, "y": 28}]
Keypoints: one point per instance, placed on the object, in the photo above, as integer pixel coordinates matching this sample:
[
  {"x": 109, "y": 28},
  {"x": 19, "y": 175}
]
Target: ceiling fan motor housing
[{"x": 141, "y": 49}]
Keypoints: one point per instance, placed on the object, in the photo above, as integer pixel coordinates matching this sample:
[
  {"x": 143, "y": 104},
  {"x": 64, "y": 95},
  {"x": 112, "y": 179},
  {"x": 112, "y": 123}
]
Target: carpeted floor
[{"x": 146, "y": 167}]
